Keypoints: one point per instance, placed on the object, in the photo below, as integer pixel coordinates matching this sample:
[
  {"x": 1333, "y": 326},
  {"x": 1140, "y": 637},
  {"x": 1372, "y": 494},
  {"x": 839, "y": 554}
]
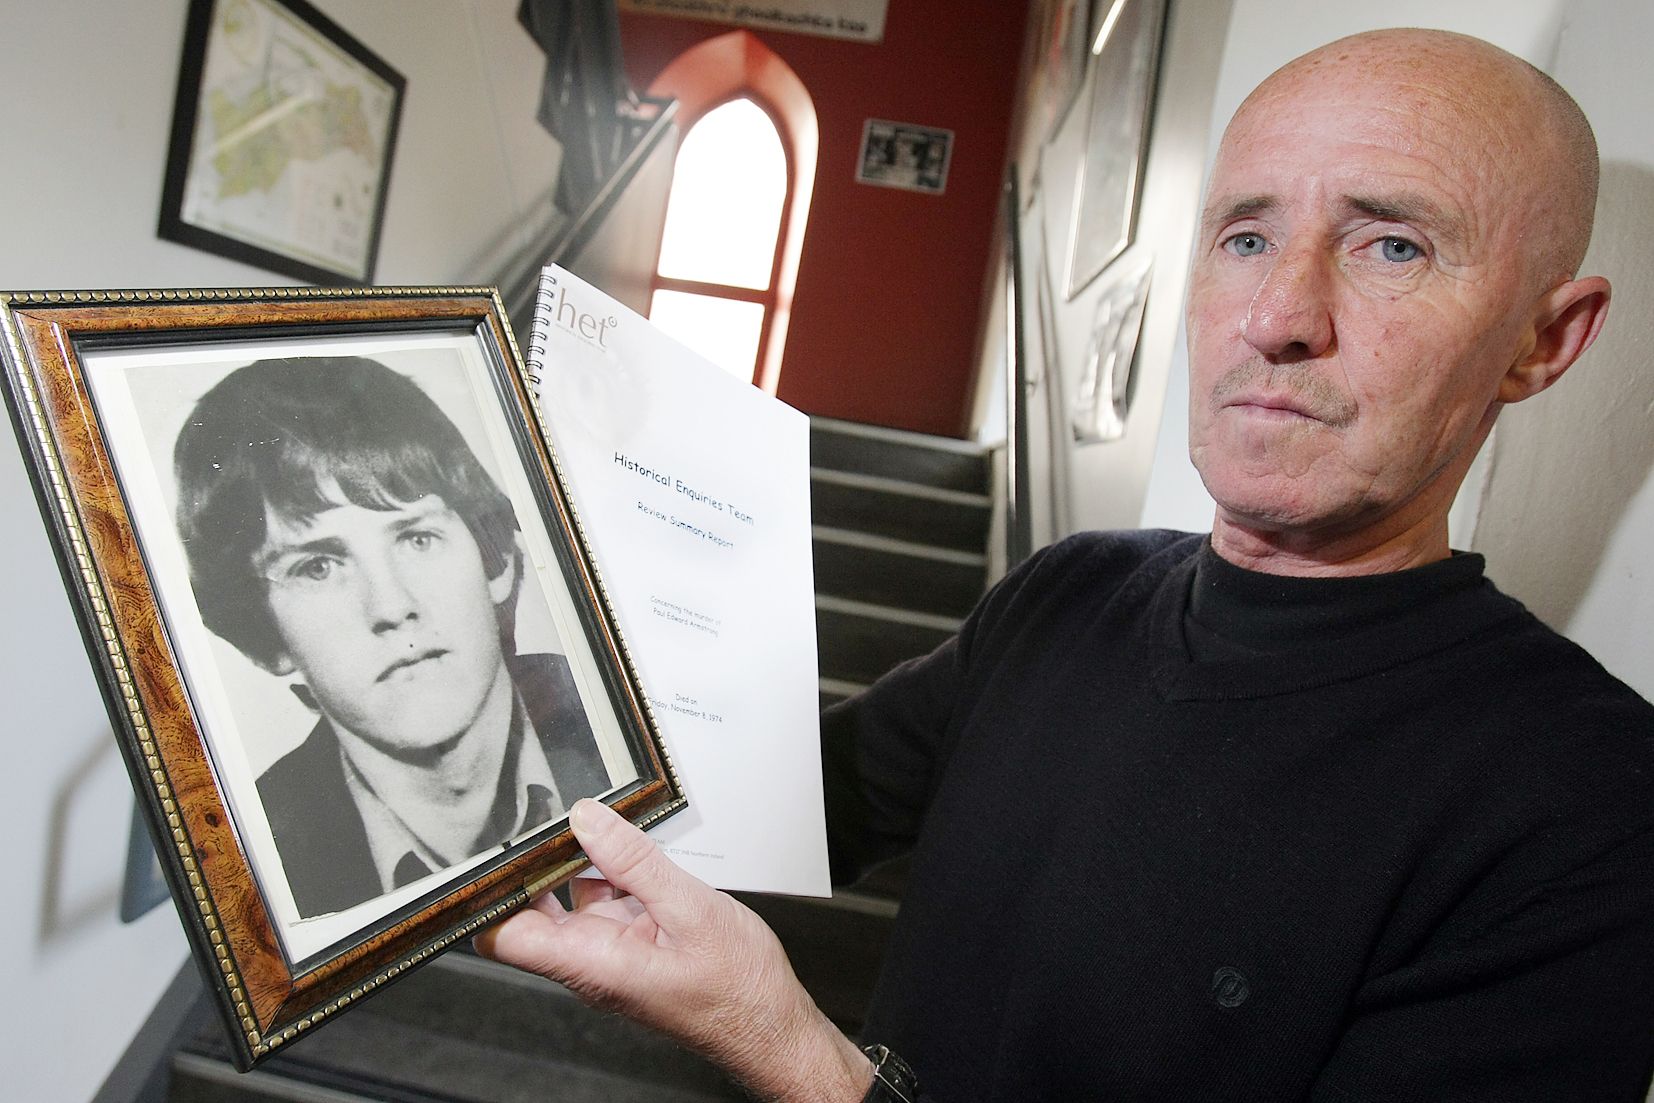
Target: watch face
[{"x": 893, "y": 1080}]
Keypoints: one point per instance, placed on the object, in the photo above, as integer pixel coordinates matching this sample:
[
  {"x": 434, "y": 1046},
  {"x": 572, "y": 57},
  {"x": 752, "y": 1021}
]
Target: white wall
[
  {"x": 1563, "y": 504},
  {"x": 1101, "y": 484},
  {"x": 89, "y": 91},
  {"x": 1567, "y": 521}
]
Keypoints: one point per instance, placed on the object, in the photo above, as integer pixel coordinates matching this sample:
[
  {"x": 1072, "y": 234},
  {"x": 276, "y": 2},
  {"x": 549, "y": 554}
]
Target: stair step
[
  {"x": 887, "y": 882},
  {"x": 938, "y": 462},
  {"x": 198, "y": 1079},
  {"x": 890, "y": 572},
  {"x": 466, "y": 1030},
  {"x": 901, "y": 510},
  {"x": 834, "y": 690},
  {"x": 858, "y": 641}
]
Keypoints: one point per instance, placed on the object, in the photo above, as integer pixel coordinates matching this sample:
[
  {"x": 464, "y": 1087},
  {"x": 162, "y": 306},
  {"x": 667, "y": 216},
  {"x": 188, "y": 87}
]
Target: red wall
[{"x": 887, "y": 310}]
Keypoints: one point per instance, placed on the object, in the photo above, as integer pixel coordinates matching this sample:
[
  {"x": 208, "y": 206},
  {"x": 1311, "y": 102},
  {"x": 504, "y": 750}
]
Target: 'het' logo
[{"x": 577, "y": 321}]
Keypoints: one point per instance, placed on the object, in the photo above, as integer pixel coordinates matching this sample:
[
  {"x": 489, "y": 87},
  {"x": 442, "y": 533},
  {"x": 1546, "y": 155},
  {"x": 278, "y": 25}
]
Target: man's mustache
[{"x": 1303, "y": 390}]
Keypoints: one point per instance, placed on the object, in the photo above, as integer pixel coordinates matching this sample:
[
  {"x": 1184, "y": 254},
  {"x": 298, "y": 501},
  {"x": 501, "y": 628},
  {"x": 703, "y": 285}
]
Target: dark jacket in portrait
[{"x": 319, "y": 831}]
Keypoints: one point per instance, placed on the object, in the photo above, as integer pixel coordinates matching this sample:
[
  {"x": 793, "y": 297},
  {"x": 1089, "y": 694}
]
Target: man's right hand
[{"x": 659, "y": 946}]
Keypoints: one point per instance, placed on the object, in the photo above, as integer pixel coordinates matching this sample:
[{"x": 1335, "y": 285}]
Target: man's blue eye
[
  {"x": 1399, "y": 250},
  {"x": 1246, "y": 245}
]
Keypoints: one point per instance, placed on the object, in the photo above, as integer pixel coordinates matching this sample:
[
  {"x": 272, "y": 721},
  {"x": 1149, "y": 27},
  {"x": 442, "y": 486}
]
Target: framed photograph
[
  {"x": 901, "y": 155},
  {"x": 282, "y": 139},
  {"x": 1063, "y": 36},
  {"x": 1126, "y": 54},
  {"x": 1103, "y": 396},
  {"x": 347, "y": 627}
]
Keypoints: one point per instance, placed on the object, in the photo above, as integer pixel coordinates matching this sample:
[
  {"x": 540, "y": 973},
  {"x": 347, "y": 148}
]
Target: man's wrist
[
  {"x": 893, "y": 1080},
  {"x": 814, "y": 1062}
]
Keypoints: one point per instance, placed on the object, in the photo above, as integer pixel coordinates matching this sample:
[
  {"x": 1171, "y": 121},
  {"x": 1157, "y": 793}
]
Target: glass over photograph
[{"x": 391, "y": 679}]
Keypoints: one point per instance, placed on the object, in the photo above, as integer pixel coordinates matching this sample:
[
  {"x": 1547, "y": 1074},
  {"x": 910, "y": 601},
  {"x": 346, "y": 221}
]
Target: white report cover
[{"x": 693, "y": 490}]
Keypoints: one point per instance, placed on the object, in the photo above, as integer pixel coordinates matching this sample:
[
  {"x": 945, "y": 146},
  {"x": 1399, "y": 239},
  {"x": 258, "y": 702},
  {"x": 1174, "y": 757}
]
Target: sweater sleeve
[
  {"x": 883, "y": 750},
  {"x": 879, "y": 755},
  {"x": 1549, "y": 997}
]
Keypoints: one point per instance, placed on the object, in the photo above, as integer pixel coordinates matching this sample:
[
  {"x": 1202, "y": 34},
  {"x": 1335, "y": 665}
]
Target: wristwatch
[{"x": 893, "y": 1080}]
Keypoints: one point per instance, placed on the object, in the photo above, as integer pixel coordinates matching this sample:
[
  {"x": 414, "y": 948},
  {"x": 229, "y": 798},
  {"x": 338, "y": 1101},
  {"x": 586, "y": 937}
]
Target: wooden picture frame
[
  {"x": 282, "y": 139},
  {"x": 271, "y": 500}
]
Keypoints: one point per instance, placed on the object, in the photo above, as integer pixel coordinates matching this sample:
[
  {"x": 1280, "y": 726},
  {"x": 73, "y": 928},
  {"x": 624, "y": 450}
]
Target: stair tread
[
  {"x": 474, "y": 1035},
  {"x": 912, "y": 458}
]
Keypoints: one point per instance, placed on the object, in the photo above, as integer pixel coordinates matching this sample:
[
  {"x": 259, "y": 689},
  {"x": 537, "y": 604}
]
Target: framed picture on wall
[
  {"x": 1063, "y": 36},
  {"x": 1102, "y": 398},
  {"x": 348, "y": 631},
  {"x": 902, "y": 155},
  {"x": 282, "y": 139},
  {"x": 1126, "y": 54}
]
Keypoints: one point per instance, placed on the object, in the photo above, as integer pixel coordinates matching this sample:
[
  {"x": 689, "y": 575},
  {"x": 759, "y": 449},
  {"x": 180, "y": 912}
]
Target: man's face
[
  {"x": 389, "y": 616},
  {"x": 1357, "y": 296}
]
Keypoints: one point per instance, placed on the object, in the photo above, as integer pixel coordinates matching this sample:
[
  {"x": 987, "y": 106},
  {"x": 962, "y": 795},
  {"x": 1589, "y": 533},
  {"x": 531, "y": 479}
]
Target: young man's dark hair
[{"x": 271, "y": 435}]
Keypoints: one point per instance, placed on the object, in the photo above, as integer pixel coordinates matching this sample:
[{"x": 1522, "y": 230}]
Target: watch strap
[{"x": 893, "y": 1079}]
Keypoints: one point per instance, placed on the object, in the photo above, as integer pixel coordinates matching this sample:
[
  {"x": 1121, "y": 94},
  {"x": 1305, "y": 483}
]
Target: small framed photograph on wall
[
  {"x": 349, "y": 634},
  {"x": 282, "y": 139},
  {"x": 901, "y": 155}
]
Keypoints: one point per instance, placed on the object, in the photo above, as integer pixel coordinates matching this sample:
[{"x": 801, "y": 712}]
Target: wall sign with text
[{"x": 862, "y": 20}]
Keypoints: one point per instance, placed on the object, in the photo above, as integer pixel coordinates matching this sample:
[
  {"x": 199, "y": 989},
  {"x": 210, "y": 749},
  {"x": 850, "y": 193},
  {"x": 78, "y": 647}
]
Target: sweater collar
[
  {"x": 1275, "y": 613},
  {"x": 1348, "y": 627}
]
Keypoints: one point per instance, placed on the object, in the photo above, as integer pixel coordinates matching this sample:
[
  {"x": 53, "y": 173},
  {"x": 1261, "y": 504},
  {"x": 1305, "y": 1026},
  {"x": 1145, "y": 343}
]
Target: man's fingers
[
  {"x": 629, "y": 860},
  {"x": 564, "y": 948},
  {"x": 507, "y": 940},
  {"x": 591, "y": 890},
  {"x": 548, "y": 903}
]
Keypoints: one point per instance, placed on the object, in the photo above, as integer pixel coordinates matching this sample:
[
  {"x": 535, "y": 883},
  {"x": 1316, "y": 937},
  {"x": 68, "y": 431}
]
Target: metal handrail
[
  {"x": 1019, "y": 521},
  {"x": 522, "y": 273}
]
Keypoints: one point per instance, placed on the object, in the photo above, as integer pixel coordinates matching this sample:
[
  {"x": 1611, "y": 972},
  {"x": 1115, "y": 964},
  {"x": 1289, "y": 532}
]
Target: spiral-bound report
[{"x": 692, "y": 489}]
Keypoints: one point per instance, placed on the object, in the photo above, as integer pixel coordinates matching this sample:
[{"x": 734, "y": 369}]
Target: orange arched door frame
[{"x": 708, "y": 75}]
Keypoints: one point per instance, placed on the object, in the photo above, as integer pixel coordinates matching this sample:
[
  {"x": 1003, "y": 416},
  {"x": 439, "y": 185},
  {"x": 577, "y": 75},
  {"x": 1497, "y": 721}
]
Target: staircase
[
  {"x": 461, "y": 1029},
  {"x": 900, "y": 532},
  {"x": 900, "y": 535}
]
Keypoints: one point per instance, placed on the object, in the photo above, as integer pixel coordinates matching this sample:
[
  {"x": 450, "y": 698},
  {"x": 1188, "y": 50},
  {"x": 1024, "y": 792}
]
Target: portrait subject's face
[
  {"x": 390, "y": 617},
  {"x": 1355, "y": 301}
]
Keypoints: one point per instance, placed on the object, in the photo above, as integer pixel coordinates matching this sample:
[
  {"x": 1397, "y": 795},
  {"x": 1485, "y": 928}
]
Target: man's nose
[
  {"x": 1290, "y": 316},
  {"x": 386, "y": 598}
]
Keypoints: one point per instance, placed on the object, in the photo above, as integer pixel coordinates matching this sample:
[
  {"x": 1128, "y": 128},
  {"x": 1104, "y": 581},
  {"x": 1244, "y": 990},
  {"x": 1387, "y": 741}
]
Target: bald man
[{"x": 1302, "y": 809}]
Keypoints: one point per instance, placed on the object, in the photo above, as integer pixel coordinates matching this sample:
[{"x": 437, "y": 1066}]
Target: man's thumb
[{"x": 626, "y": 857}]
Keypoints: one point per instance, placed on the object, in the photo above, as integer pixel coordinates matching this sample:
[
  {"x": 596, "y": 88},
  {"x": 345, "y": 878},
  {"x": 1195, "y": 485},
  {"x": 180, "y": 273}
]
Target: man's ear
[
  {"x": 1567, "y": 319},
  {"x": 281, "y": 664},
  {"x": 503, "y": 586}
]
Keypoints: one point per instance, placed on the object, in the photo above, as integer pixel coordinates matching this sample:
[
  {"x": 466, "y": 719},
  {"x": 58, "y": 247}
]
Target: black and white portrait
[{"x": 385, "y": 664}]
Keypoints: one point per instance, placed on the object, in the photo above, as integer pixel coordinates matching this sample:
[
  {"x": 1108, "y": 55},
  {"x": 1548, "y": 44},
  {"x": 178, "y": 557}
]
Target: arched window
[
  {"x": 715, "y": 282},
  {"x": 735, "y": 215}
]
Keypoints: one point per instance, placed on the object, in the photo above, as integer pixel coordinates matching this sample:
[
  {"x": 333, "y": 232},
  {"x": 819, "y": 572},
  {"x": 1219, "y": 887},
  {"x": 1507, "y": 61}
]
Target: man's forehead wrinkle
[{"x": 1445, "y": 222}]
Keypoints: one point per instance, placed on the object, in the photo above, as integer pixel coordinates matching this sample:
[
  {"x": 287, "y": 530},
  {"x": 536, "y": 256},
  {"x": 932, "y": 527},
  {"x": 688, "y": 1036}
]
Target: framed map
[{"x": 281, "y": 141}]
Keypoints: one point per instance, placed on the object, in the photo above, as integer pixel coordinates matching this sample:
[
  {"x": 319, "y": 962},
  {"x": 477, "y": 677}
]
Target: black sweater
[{"x": 1412, "y": 860}]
